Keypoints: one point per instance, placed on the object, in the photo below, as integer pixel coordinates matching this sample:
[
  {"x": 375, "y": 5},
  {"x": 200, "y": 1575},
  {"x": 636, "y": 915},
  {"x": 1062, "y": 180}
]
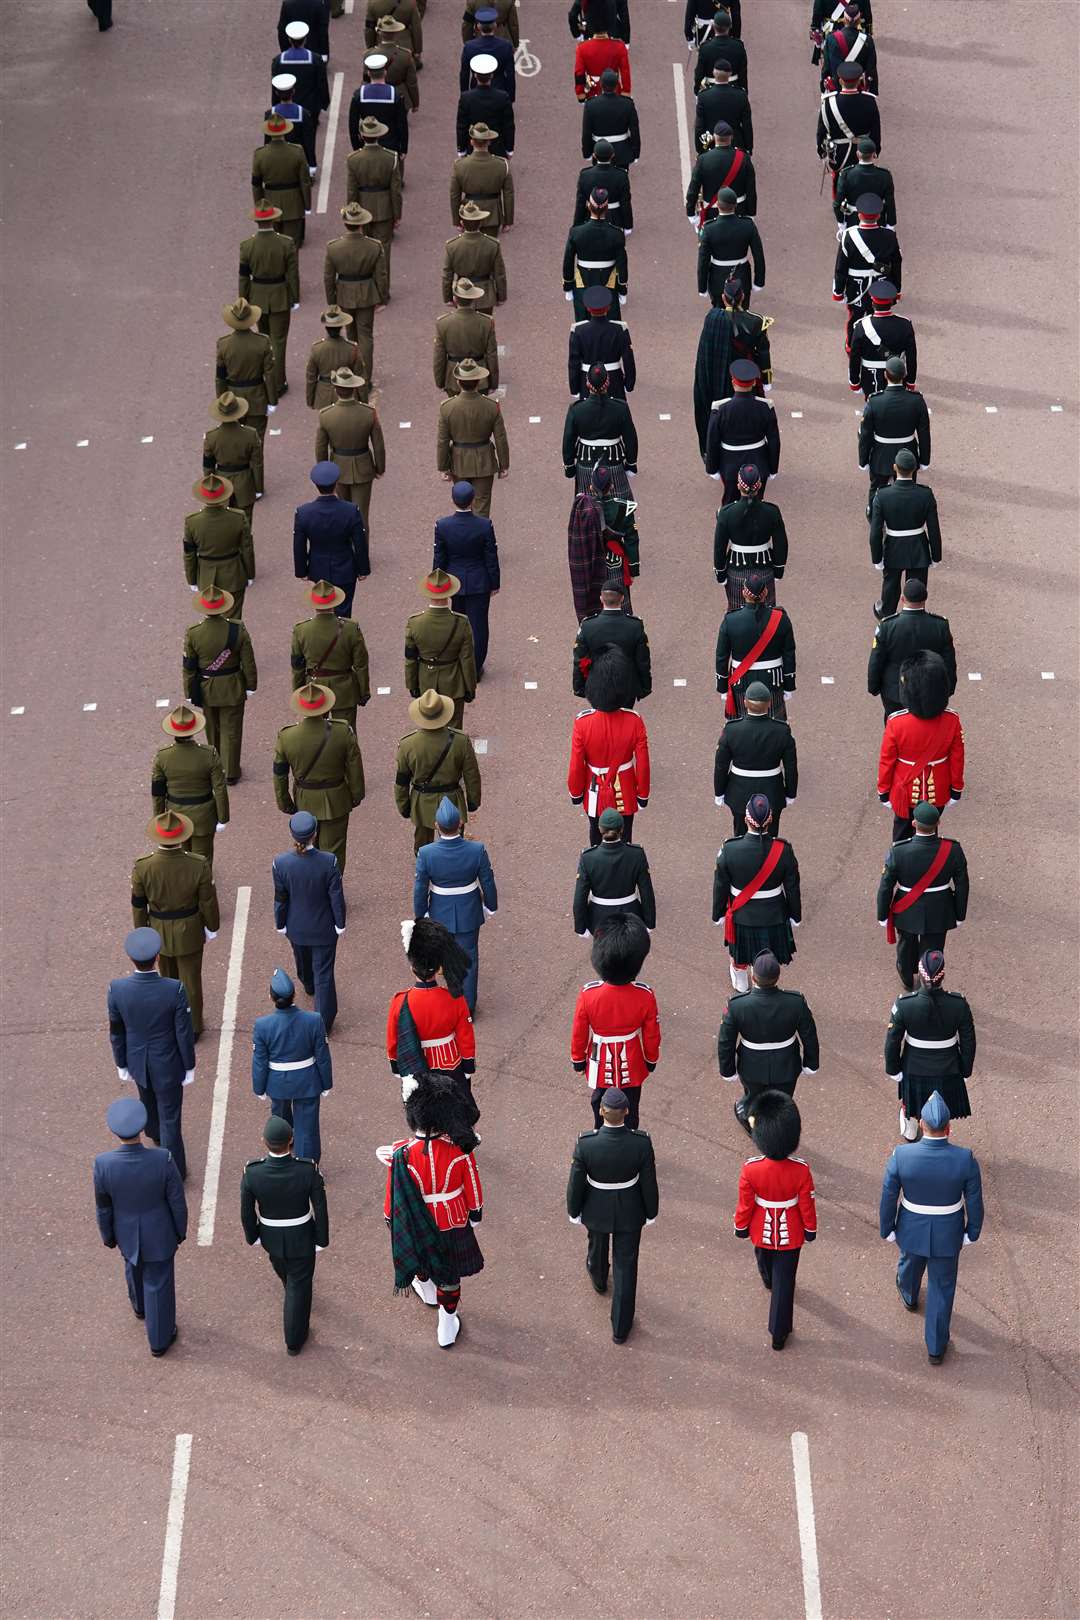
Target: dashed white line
[
  {"x": 973, "y": 675},
  {"x": 1054, "y": 408},
  {"x": 991, "y": 410},
  {"x": 20, "y": 708},
  {"x": 534, "y": 419},
  {"x": 797, "y": 414},
  {"x": 382, "y": 691},
  {"x": 81, "y": 444},
  {"x": 174, "y": 1528},
  {"x": 804, "y": 1505},
  {"x": 404, "y": 424},
  {"x": 665, "y": 416},
  {"x": 1047, "y": 675},
  {"x": 678, "y": 681},
  {"x": 275, "y": 433},
  {"x": 22, "y": 446},
  {"x": 329, "y": 140},
  {"x": 147, "y": 438},
  {"x": 480, "y": 745},
  {"x": 161, "y": 703},
  {"x": 680, "y": 121},
  {"x": 221, "y": 1079},
  {"x": 531, "y": 686},
  {"x": 88, "y": 708},
  {"x": 828, "y": 680}
]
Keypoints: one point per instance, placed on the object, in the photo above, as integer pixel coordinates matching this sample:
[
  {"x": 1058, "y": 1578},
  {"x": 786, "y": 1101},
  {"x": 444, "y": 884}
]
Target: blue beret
[
  {"x": 281, "y": 984},
  {"x": 303, "y": 824},
  {"x": 126, "y": 1117},
  {"x": 613, "y": 1097},
  {"x": 143, "y": 944},
  {"x": 935, "y": 1114},
  {"x": 447, "y": 815},
  {"x": 462, "y": 492},
  {"x": 325, "y": 473}
]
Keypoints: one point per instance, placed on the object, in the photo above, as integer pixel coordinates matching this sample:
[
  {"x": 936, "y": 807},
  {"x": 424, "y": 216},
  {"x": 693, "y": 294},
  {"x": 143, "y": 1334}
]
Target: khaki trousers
[
  {"x": 225, "y": 732},
  {"x": 188, "y": 969},
  {"x": 275, "y": 324}
]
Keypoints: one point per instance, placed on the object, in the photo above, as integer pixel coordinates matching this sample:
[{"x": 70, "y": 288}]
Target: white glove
[
  {"x": 296, "y": 306},
  {"x": 486, "y": 912},
  {"x": 569, "y": 297},
  {"x": 188, "y": 1078},
  {"x": 758, "y": 287},
  {"x": 193, "y": 587},
  {"x": 338, "y": 931},
  {"x": 575, "y": 1220},
  {"x": 209, "y": 934},
  {"x": 884, "y": 924},
  {"x": 793, "y": 923},
  {"x": 220, "y": 826},
  {"x": 729, "y": 1078},
  {"x": 270, "y": 409},
  {"x": 767, "y": 387},
  {"x": 809, "y": 1071},
  {"x": 788, "y": 696},
  {"x": 281, "y": 930},
  {"x": 967, "y": 1241},
  {"x": 718, "y": 801},
  {"x": 880, "y": 567},
  {"x": 319, "y": 1248},
  {"x": 896, "y": 1077},
  {"x": 787, "y": 802},
  {"x": 650, "y": 1220},
  {"x": 891, "y": 1238},
  {"x": 122, "y": 1074},
  {"x": 715, "y": 477}
]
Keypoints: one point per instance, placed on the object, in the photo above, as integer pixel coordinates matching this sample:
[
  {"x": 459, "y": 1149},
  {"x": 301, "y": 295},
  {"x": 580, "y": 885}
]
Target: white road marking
[
  {"x": 275, "y": 433},
  {"x": 327, "y": 166},
  {"x": 88, "y": 708},
  {"x": 531, "y": 686},
  {"x": 678, "y": 681},
  {"x": 174, "y": 1528},
  {"x": 525, "y": 63},
  {"x": 480, "y": 745},
  {"x": 804, "y": 1503},
  {"x": 161, "y": 703},
  {"x": 680, "y": 121},
  {"x": 382, "y": 691},
  {"x": 147, "y": 438},
  {"x": 500, "y": 350},
  {"x": 827, "y": 680},
  {"x": 796, "y": 415},
  {"x": 221, "y": 1079},
  {"x": 991, "y": 410},
  {"x": 665, "y": 416},
  {"x": 81, "y": 444},
  {"x": 534, "y": 419},
  {"x": 973, "y": 675},
  {"x": 1053, "y": 408},
  {"x": 22, "y": 446},
  {"x": 1047, "y": 675},
  {"x": 404, "y": 424},
  {"x": 348, "y": 8},
  {"x": 21, "y": 708}
]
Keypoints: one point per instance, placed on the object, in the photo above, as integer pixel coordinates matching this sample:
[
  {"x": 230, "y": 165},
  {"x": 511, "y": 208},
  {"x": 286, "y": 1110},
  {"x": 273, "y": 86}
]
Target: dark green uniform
[
  {"x": 281, "y": 1187},
  {"x": 173, "y": 891},
  {"x": 440, "y": 657},
  {"x": 219, "y": 672},
  {"x": 245, "y": 364},
  {"x": 190, "y": 778},
  {"x": 270, "y": 277},
  {"x": 234, "y": 451},
  {"x": 218, "y": 550},
  {"x": 430, "y": 764},
  {"x": 483, "y": 179},
  {"x": 323, "y": 758},
  {"x": 333, "y": 652}
]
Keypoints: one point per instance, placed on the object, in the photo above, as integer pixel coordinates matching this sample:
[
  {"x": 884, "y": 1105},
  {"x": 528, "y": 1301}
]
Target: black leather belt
[
  {"x": 212, "y": 675},
  {"x": 374, "y": 188},
  {"x": 269, "y": 281},
  {"x": 225, "y": 556},
  {"x": 280, "y": 185},
  {"x": 353, "y": 278},
  {"x": 173, "y": 916},
  {"x": 174, "y": 798},
  {"x": 302, "y": 781},
  {"x": 340, "y": 450},
  {"x": 471, "y": 444},
  {"x": 244, "y": 382},
  {"x": 243, "y": 466}
]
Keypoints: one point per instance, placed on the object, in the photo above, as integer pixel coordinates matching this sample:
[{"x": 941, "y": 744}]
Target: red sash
[
  {"x": 751, "y": 658},
  {"x": 917, "y": 890},
  {"x": 736, "y": 164},
  {"x": 761, "y": 876}
]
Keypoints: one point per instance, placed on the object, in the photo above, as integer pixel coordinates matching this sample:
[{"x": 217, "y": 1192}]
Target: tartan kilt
[
  {"x": 461, "y": 1254},
  {"x": 779, "y": 938},
  {"x": 915, "y": 1092},
  {"x": 620, "y": 484},
  {"x": 736, "y": 579}
]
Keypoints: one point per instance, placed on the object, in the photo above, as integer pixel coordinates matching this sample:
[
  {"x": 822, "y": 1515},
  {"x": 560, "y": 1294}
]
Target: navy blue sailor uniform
[
  {"x": 455, "y": 885},
  {"x": 302, "y": 133},
  {"x": 931, "y": 1207},
  {"x": 141, "y": 1210},
  {"x": 283, "y": 1207},
  {"x": 316, "y": 13},
  {"x": 930, "y": 1046},
  {"x": 291, "y": 1064},
  {"x": 309, "y": 908},
  {"x": 309, "y": 70},
  {"x": 153, "y": 1044},
  {"x": 380, "y": 101}
]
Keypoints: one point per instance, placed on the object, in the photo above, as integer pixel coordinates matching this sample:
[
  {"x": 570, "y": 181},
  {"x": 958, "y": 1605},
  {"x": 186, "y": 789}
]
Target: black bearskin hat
[
  {"x": 924, "y": 685},
  {"x": 777, "y": 1125},
  {"x": 620, "y": 948},
  {"x": 610, "y": 683},
  {"x": 438, "y": 1106},
  {"x": 600, "y": 17},
  {"x": 429, "y": 947}
]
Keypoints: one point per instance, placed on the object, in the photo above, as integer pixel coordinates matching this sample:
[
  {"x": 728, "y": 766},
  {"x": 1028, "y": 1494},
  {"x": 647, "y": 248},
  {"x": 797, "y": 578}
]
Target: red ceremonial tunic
[
  {"x": 615, "y": 1036},
  {"x": 448, "y": 1179},
  {"x": 591, "y": 58},
  {"x": 443, "y": 1023},
  {"x": 776, "y": 1203},
  {"x": 921, "y": 759},
  {"x": 609, "y": 761}
]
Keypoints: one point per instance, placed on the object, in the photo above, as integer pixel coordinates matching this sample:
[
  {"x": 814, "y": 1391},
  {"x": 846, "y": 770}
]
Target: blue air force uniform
[
  {"x": 141, "y": 1210},
  {"x": 931, "y": 1206},
  {"x": 465, "y": 546},
  {"x": 455, "y": 886},
  {"x": 330, "y": 542},
  {"x": 291, "y": 1064},
  {"x": 153, "y": 1043},
  {"x": 309, "y": 908}
]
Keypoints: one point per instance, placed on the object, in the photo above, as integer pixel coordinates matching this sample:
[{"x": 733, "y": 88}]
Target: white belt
[
  {"x": 729, "y": 264},
  {"x": 767, "y": 663},
  {"x": 933, "y": 1209},
  {"x": 465, "y": 888},
  {"x": 863, "y": 274},
  {"x": 294, "y": 1220},
  {"x": 623, "y": 900},
  {"x": 756, "y": 445},
  {"x": 602, "y": 770},
  {"x": 613, "y": 1040},
  {"x": 782, "y": 1203},
  {"x": 304, "y": 1063},
  {"x": 749, "y": 551},
  {"x": 608, "y": 365},
  {"x": 931, "y": 1046},
  {"x": 904, "y": 534},
  {"x": 940, "y": 761},
  {"x": 599, "y": 444},
  {"x": 773, "y": 770},
  {"x": 879, "y": 438},
  {"x": 762, "y": 894},
  {"x": 767, "y": 1046},
  {"x": 625, "y": 136},
  {"x": 935, "y": 888},
  {"x": 874, "y": 365},
  {"x": 596, "y": 264},
  {"x": 446, "y": 1040},
  {"x": 613, "y": 1186},
  {"x": 442, "y": 1198}
]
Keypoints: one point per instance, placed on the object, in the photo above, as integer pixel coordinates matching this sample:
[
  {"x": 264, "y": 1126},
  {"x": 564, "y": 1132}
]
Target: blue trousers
[
  {"x": 940, "y": 1290},
  {"x": 315, "y": 967},
  {"x": 152, "y": 1292},
  {"x": 302, "y": 1113},
  {"x": 163, "y": 1111},
  {"x": 470, "y": 944},
  {"x": 475, "y": 608}
]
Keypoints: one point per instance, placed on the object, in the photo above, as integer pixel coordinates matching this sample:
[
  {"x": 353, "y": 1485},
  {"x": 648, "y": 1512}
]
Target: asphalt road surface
[{"x": 539, "y": 1470}]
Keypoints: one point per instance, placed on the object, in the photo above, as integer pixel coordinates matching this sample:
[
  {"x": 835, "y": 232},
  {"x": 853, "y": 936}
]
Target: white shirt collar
[{"x": 446, "y": 838}]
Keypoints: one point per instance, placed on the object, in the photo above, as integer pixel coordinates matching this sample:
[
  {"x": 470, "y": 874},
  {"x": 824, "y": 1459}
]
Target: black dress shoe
[
  {"x": 906, "y": 1303},
  {"x": 935, "y": 1361},
  {"x": 294, "y": 1349},
  {"x": 166, "y": 1347},
  {"x": 879, "y": 610},
  {"x": 616, "y": 1339},
  {"x": 741, "y": 1120},
  {"x": 601, "y": 1288},
  {"x": 140, "y": 1316},
  {"x": 779, "y": 1341}
]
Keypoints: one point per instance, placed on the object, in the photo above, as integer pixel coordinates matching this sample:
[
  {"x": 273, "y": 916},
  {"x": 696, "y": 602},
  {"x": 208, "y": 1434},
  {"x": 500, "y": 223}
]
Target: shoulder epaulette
[
  {"x": 757, "y": 1159},
  {"x": 583, "y": 1134},
  {"x": 639, "y": 984},
  {"x": 407, "y": 735},
  {"x": 636, "y": 1130},
  {"x": 593, "y": 984},
  {"x": 300, "y": 1160},
  {"x": 583, "y": 712},
  {"x": 251, "y": 1162},
  {"x": 910, "y": 839},
  {"x": 795, "y": 1159}
]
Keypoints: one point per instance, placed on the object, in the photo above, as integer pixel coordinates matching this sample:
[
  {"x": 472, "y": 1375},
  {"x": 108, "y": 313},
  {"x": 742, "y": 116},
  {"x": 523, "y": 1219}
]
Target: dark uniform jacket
[
  {"x": 710, "y": 175},
  {"x": 613, "y": 871},
  {"x": 303, "y": 124},
  {"x": 439, "y": 654},
  {"x": 150, "y": 1029},
  {"x": 855, "y": 182},
  {"x": 188, "y": 776},
  {"x": 620, "y": 19},
  {"x": 386, "y": 103},
  {"x": 930, "y": 1016},
  {"x": 245, "y": 364},
  {"x": 269, "y": 271},
  {"x": 479, "y": 257},
  {"x": 316, "y": 13},
  {"x": 613, "y": 1154},
  {"x": 234, "y": 451},
  {"x": 599, "y": 428},
  {"x": 604, "y": 342},
  {"x": 721, "y": 48},
  {"x": 465, "y": 546},
  {"x": 464, "y": 334},
  {"x": 503, "y": 52},
  {"x": 611, "y": 627},
  {"x": 843, "y": 118},
  {"x": 373, "y": 179},
  {"x": 506, "y": 27},
  {"x": 330, "y": 541},
  {"x": 873, "y": 339},
  {"x": 742, "y": 422},
  {"x": 901, "y": 636},
  {"x": 486, "y": 105},
  {"x": 940, "y": 907},
  {"x": 613, "y": 118},
  {"x": 407, "y": 12},
  {"x": 832, "y": 11},
  {"x": 764, "y": 1018},
  {"x": 755, "y": 745},
  {"x": 332, "y": 651},
  {"x": 323, "y": 758},
  {"x": 739, "y": 630},
  {"x": 173, "y": 891},
  {"x": 309, "y": 900},
  {"x": 726, "y": 248},
  {"x": 864, "y": 254},
  {"x": 283, "y": 1188},
  {"x": 595, "y": 256},
  {"x": 896, "y": 419},
  {"x": 837, "y": 48},
  {"x": 309, "y": 70},
  {"x": 904, "y": 529},
  {"x": 208, "y": 643},
  {"x": 139, "y": 1202},
  {"x": 737, "y": 862},
  {"x": 749, "y": 534},
  {"x": 616, "y": 182},
  {"x": 426, "y": 770},
  {"x": 724, "y": 104}
]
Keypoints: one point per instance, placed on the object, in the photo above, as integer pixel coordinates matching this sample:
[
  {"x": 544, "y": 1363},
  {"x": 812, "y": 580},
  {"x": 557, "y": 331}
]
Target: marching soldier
[
  {"x": 220, "y": 674},
  {"x": 302, "y": 133},
  {"x": 755, "y": 642},
  {"x": 331, "y": 651},
  {"x": 283, "y": 1207},
  {"x": 476, "y": 256},
  {"x": 827, "y": 14},
  {"x": 486, "y": 104},
  {"x": 323, "y": 758},
  {"x": 905, "y": 536},
  {"x": 613, "y": 880},
  {"x": 290, "y": 1062},
  {"x": 876, "y": 338},
  {"x": 233, "y": 450},
  {"x": 749, "y": 537},
  {"x": 244, "y": 364},
  {"x": 595, "y": 256},
  {"x": 484, "y": 42},
  {"x": 722, "y": 100},
  {"x": 599, "y": 53},
  {"x": 334, "y": 352},
  {"x": 311, "y": 88},
  {"x": 373, "y": 182},
  {"x": 279, "y": 171},
  {"x": 722, "y": 166},
  {"x": 316, "y": 13},
  {"x": 598, "y": 340},
  {"x": 310, "y": 910},
  {"x": 726, "y": 247},
  {"x": 782, "y": 1222},
  {"x": 611, "y": 116},
  {"x": 465, "y": 334},
  {"x": 434, "y": 761},
  {"x": 455, "y": 885},
  {"x": 611, "y": 627},
  {"x": 922, "y": 747},
  {"x": 730, "y": 332},
  {"x": 483, "y": 179},
  {"x": 375, "y": 97},
  {"x": 767, "y": 1038},
  {"x": 719, "y": 44},
  {"x": 894, "y": 419},
  {"x": 902, "y": 636},
  {"x": 865, "y": 175},
  {"x": 188, "y": 778},
  {"x": 439, "y": 654},
  {"x": 465, "y": 546},
  {"x": 172, "y": 891},
  {"x": 268, "y": 262},
  {"x": 330, "y": 538},
  {"x": 350, "y": 435},
  {"x": 756, "y": 893},
  {"x": 599, "y": 429},
  {"x": 506, "y": 19},
  {"x": 846, "y": 115},
  {"x": 615, "y": 1033},
  {"x": 218, "y": 549},
  {"x": 867, "y": 252},
  {"x": 604, "y": 174},
  {"x": 406, "y": 13},
  {"x": 356, "y": 278},
  {"x": 609, "y": 746},
  {"x": 401, "y": 61},
  {"x": 741, "y": 429},
  {"x": 755, "y": 754},
  {"x": 930, "y": 1046},
  {"x": 923, "y": 893},
  {"x": 612, "y": 1190},
  {"x": 848, "y": 41},
  {"x": 471, "y": 440}
]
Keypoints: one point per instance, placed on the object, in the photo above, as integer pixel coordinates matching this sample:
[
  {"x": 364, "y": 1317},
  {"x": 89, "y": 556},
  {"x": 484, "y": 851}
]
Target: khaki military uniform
[
  {"x": 484, "y": 179},
  {"x": 472, "y": 443},
  {"x": 333, "y": 652},
  {"x": 440, "y": 657},
  {"x": 402, "y": 11},
  {"x": 327, "y": 355},
  {"x": 279, "y": 172},
  {"x": 464, "y": 334},
  {"x": 373, "y": 179},
  {"x": 270, "y": 277},
  {"x": 245, "y": 363},
  {"x": 188, "y": 777},
  {"x": 423, "y": 774},
  {"x": 506, "y": 27},
  {"x": 173, "y": 891},
  {"x": 234, "y": 451},
  {"x": 355, "y": 277},
  {"x": 401, "y": 72},
  {"x": 221, "y": 692},
  {"x": 480, "y": 259},
  {"x": 350, "y": 434},
  {"x": 323, "y": 758},
  {"x": 218, "y": 550}
]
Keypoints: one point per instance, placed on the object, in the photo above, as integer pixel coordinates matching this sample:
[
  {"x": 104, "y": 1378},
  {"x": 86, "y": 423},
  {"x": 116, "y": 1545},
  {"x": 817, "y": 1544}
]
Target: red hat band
[
  {"x": 439, "y": 590},
  {"x": 265, "y": 213},
  {"x": 184, "y": 725},
  {"x": 211, "y": 601},
  {"x": 322, "y": 601},
  {"x": 319, "y": 703},
  {"x": 211, "y": 494},
  {"x": 170, "y": 832}
]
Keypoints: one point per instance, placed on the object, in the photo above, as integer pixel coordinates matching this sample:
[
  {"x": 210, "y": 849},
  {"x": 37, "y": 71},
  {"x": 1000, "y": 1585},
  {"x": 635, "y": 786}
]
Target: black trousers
[
  {"x": 102, "y": 10},
  {"x": 778, "y": 1268},
  {"x": 902, "y": 827},
  {"x": 297, "y": 1273},
  {"x": 909, "y": 948},
  {"x": 624, "y": 1263},
  {"x": 627, "y": 830},
  {"x": 890, "y": 586},
  {"x": 633, "y": 1098}
]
